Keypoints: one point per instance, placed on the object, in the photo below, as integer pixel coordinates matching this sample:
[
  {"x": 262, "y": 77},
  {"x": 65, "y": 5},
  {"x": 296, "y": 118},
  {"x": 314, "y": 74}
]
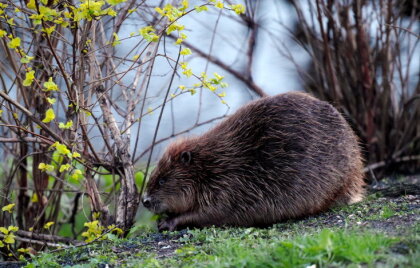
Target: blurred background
[{"x": 362, "y": 56}]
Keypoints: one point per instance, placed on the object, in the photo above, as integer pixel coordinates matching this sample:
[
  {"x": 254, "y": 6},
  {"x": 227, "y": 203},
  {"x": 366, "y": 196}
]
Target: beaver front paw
[{"x": 167, "y": 224}]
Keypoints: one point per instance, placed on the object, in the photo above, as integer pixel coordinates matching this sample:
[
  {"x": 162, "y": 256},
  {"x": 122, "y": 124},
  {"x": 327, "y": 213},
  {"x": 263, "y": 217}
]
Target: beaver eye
[
  {"x": 186, "y": 157},
  {"x": 162, "y": 181}
]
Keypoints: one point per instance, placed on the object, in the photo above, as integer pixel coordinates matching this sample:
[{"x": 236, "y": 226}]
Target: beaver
[{"x": 277, "y": 158}]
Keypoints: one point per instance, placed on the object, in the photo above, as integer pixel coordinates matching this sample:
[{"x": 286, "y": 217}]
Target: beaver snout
[{"x": 154, "y": 204}]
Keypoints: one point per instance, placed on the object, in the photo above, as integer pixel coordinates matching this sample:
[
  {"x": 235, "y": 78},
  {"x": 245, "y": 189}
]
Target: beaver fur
[{"x": 276, "y": 158}]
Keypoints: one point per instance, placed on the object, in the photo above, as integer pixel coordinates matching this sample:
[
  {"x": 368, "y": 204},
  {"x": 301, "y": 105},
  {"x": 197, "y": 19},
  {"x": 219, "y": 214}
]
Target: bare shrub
[
  {"x": 365, "y": 60},
  {"x": 75, "y": 90}
]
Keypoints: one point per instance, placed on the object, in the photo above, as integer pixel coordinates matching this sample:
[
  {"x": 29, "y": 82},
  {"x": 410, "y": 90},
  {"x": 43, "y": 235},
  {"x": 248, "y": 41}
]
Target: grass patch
[
  {"x": 228, "y": 249},
  {"x": 377, "y": 232},
  {"x": 237, "y": 247}
]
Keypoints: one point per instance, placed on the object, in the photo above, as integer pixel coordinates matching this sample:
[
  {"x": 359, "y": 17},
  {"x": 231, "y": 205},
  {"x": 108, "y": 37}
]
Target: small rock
[{"x": 410, "y": 197}]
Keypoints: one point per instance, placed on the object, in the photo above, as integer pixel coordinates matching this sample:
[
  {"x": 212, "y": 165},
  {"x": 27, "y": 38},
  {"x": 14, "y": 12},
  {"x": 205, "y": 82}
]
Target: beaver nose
[{"x": 146, "y": 202}]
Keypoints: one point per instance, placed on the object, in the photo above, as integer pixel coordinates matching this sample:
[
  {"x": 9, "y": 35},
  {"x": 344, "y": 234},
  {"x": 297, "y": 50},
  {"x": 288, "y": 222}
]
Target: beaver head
[{"x": 172, "y": 185}]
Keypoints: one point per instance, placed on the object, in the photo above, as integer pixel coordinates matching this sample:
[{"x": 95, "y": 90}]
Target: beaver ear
[{"x": 186, "y": 157}]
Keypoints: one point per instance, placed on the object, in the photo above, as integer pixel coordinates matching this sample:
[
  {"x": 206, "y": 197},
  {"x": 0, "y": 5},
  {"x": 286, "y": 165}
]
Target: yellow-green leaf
[
  {"x": 11, "y": 22},
  {"x": 50, "y": 85},
  {"x": 49, "y": 116},
  {"x": 51, "y": 100},
  {"x": 111, "y": 12},
  {"x": 211, "y": 87},
  {"x": 185, "y": 51},
  {"x": 219, "y": 4},
  {"x": 183, "y": 65},
  {"x": 36, "y": 18},
  {"x": 24, "y": 250},
  {"x": 149, "y": 34},
  {"x": 218, "y": 77},
  {"x": 96, "y": 215},
  {"x": 88, "y": 113},
  {"x": 116, "y": 40},
  {"x": 184, "y": 5},
  {"x": 31, "y": 4},
  {"x": 34, "y": 198},
  {"x": 77, "y": 174},
  {"x": 174, "y": 27},
  {"x": 67, "y": 125},
  {"x": 14, "y": 43},
  {"x": 45, "y": 167},
  {"x": 8, "y": 208},
  {"x": 64, "y": 167},
  {"x": 61, "y": 148},
  {"x": 115, "y": 2},
  {"x": 2, "y": 33},
  {"x": 239, "y": 8},
  {"x": 49, "y": 30},
  {"x": 9, "y": 239},
  {"x": 26, "y": 59},
  {"x": 201, "y": 8},
  {"x": 223, "y": 84},
  {"x": 61, "y": 21},
  {"x": 12, "y": 228},
  {"x": 48, "y": 225},
  {"x": 115, "y": 229},
  {"x": 169, "y": 11},
  {"x": 187, "y": 72},
  {"x": 179, "y": 41}
]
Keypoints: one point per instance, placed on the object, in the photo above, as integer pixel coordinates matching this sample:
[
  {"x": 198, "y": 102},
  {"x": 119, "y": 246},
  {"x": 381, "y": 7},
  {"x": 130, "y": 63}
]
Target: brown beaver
[{"x": 276, "y": 158}]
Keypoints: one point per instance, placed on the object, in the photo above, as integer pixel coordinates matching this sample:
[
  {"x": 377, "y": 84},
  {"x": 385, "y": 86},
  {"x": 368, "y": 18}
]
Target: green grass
[
  {"x": 249, "y": 247},
  {"x": 225, "y": 249},
  {"x": 340, "y": 238}
]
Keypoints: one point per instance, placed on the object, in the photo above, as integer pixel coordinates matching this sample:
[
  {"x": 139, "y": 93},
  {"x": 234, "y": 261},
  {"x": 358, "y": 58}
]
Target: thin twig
[
  {"x": 384, "y": 163},
  {"x": 158, "y": 122}
]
